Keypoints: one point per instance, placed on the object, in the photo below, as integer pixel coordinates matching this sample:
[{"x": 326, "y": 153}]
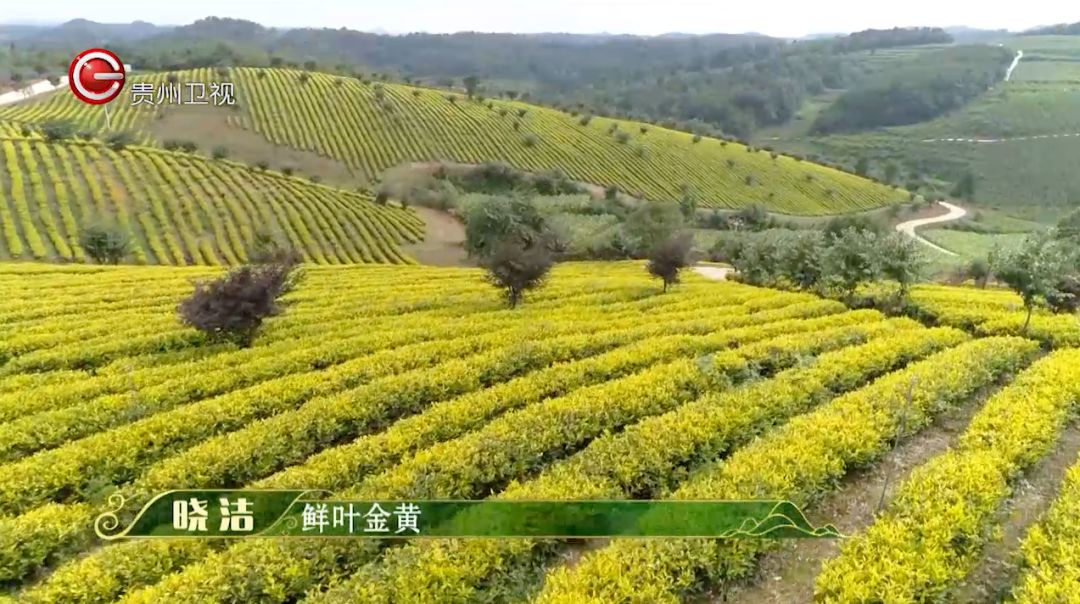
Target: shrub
[
  {"x": 189, "y": 146},
  {"x": 1065, "y": 296},
  {"x": 304, "y": 78},
  {"x": 697, "y": 138},
  {"x": 219, "y": 152},
  {"x": 57, "y": 130},
  {"x": 416, "y": 93},
  {"x": 288, "y": 170},
  {"x": 749, "y": 180},
  {"x": 979, "y": 271},
  {"x": 835, "y": 226},
  {"x": 640, "y": 151},
  {"x": 849, "y": 260},
  {"x": 650, "y": 224},
  {"x": 381, "y": 198},
  {"x": 515, "y": 267},
  {"x": 172, "y": 78},
  {"x": 531, "y": 140},
  {"x": 1034, "y": 270},
  {"x": 315, "y": 178},
  {"x": 669, "y": 257},
  {"x": 171, "y": 144},
  {"x": 731, "y": 163},
  {"x": 233, "y": 307},
  {"x": 85, "y": 134},
  {"x": 901, "y": 259},
  {"x": 105, "y": 242},
  {"x": 585, "y": 119},
  {"x": 622, "y": 137},
  {"x": 644, "y": 129},
  {"x": 117, "y": 141},
  {"x": 522, "y": 112},
  {"x": 517, "y": 125},
  {"x": 503, "y": 111}
]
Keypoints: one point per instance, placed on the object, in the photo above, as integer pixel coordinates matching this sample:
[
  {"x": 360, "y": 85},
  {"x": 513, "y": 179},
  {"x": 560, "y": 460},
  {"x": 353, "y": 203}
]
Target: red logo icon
[{"x": 96, "y": 76}]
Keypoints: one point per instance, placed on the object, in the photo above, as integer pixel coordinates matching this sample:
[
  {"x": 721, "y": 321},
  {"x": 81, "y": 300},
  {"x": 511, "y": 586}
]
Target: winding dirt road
[
  {"x": 1016, "y": 61},
  {"x": 954, "y": 213}
]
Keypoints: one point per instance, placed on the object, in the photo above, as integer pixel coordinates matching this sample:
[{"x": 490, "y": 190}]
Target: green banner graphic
[{"x": 271, "y": 513}]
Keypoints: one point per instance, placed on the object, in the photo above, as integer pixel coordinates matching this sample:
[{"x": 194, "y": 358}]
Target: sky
[{"x": 782, "y": 18}]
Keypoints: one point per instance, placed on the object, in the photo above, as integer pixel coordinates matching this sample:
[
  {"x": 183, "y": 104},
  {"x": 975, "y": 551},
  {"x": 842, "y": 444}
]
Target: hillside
[
  {"x": 619, "y": 391},
  {"x": 374, "y": 126},
  {"x": 1017, "y": 140},
  {"x": 180, "y": 208}
]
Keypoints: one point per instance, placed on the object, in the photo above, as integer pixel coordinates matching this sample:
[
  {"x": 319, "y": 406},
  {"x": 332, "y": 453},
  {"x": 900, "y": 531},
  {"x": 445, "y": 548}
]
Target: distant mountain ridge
[{"x": 1061, "y": 29}]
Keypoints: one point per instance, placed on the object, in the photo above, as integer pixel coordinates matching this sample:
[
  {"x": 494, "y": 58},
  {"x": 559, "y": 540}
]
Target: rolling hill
[
  {"x": 373, "y": 126},
  {"x": 1018, "y": 139},
  {"x": 181, "y": 208}
]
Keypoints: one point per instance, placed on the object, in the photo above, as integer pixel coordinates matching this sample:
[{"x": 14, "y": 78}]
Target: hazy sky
[{"x": 776, "y": 17}]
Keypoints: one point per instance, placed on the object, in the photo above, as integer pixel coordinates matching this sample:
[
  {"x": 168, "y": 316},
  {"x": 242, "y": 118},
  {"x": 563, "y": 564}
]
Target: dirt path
[
  {"x": 954, "y": 213},
  {"x": 786, "y": 575},
  {"x": 715, "y": 273},
  {"x": 1016, "y": 61},
  {"x": 444, "y": 240},
  {"x": 31, "y": 91}
]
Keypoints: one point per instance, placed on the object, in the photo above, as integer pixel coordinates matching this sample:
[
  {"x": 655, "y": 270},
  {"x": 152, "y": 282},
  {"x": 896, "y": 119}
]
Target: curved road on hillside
[
  {"x": 1016, "y": 61},
  {"x": 908, "y": 228}
]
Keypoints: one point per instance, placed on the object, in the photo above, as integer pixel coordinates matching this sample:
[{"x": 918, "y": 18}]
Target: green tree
[
  {"x": 979, "y": 271},
  {"x": 849, "y": 261},
  {"x": 901, "y": 259},
  {"x": 516, "y": 267},
  {"x": 800, "y": 259},
  {"x": 965, "y": 188},
  {"x": 759, "y": 260},
  {"x": 650, "y": 224},
  {"x": 891, "y": 172},
  {"x": 1032, "y": 270},
  {"x": 688, "y": 203},
  {"x": 669, "y": 257},
  {"x": 471, "y": 83},
  {"x": 494, "y": 219},
  {"x": 58, "y": 130},
  {"x": 1069, "y": 227},
  {"x": 117, "y": 141},
  {"x": 105, "y": 242},
  {"x": 862, "y": 167}
]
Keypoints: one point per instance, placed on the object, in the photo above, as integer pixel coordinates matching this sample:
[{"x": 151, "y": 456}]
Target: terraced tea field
[
  {"x": 417, "y": 383},
  {"x": 374, "y": 126},
  {"x": 181, "y": 208}
]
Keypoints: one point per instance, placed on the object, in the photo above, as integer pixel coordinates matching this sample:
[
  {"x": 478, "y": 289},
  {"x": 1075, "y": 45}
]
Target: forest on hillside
[
  {"x": 920, "y": 89},
  {"x": 730, "y": 83}
]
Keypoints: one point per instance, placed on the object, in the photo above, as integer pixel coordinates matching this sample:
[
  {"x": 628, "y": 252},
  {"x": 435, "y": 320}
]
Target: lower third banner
[{"x": 272, "y": 513}]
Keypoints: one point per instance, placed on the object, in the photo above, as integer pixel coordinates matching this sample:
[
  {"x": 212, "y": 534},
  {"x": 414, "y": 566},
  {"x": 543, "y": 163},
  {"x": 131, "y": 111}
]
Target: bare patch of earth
[{"x": 444, "y": 240}]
